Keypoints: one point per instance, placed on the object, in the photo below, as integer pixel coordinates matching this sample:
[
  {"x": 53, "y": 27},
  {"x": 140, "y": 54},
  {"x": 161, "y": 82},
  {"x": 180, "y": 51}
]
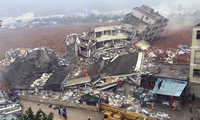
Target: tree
[
  {"x": 40, "y": 115},
  {"x": 28, "y": 115}
]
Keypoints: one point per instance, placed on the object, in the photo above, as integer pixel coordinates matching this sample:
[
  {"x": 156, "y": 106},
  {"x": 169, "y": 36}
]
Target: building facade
[
  {"x": 141, "y": 24},
  {"x": 195, "y": 62},
  {"x": 101, "y": 37},
  {"x": 145, "y": 17}
]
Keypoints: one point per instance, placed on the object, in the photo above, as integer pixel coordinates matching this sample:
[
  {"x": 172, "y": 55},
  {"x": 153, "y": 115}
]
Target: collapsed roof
[
  {"x": 28, "y": 65},
  {"x": 121, "y": 65},
  {"x": 141, "y": 24},
  {"x": 57, "y": 78}
]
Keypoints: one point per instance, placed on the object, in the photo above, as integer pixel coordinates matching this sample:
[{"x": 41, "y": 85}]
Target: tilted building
[
  {"x": 142, "y": 24},
  {"x": 195, "y": 61},
  {"x": 145, "y": 22}
]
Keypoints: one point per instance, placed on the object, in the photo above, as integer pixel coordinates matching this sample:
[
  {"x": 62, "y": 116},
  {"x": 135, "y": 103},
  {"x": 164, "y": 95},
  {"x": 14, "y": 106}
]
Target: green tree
[
  {"x": 50, "y": 116},
  {"x": 40, "y": 115},
  {"x": 29, "y": 115}
]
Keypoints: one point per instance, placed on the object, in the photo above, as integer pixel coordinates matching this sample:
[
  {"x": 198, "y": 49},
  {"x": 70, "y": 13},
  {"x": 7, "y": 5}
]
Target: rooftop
[
  {"x": 197, "y": 25},
  {"x": 171, "y": 71}
]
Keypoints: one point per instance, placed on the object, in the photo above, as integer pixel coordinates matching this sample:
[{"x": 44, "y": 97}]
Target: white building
[{"x": 147, "y": 23}]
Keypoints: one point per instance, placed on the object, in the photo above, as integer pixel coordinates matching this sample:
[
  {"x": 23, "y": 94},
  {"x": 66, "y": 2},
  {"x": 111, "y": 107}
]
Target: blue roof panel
[{"x": 171, "y": 87}]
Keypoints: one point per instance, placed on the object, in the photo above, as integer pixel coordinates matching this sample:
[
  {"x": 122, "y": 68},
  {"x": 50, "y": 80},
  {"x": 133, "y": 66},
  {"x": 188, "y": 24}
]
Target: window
[
  {"x": 197, "y": 57},
  {"x": 98, "y": 34},
  {"x": 107, "y": 32},
  {"x": 114, "y": 32},
  {"x": 198, "y": 34},
  {"x": 196, "y": 73}
]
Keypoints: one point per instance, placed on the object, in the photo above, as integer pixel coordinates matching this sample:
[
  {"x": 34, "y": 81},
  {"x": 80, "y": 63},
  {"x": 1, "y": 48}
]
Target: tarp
[{"x": 165, "y": 86}]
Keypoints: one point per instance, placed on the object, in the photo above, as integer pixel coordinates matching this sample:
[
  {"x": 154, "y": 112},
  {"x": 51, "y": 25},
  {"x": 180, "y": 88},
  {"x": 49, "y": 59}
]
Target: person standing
[
  {"x": 174, "y": 106},
  {"x": 65, "y": 113},
  {"x": 59, "y": 112}
]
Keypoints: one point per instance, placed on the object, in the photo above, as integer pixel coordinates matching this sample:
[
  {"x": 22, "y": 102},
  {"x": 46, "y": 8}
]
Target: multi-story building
[
  {"x": 195, "y": 62},
  {"x": 147, "y": 23},
  {"x": 99, "y": 37},
  {"x": 141, "y": 24}
]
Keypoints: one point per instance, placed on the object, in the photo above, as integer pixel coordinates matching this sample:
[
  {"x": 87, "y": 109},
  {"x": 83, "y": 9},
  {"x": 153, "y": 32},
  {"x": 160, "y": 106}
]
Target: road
[{"x": 73, "y": 113}]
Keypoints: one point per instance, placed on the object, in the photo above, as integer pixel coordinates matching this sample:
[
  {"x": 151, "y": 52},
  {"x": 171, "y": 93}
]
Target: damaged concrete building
[
  {"x": 142, "y": 24},
  {"x": 9, "y": 106},
  {"x": 145, "y": 23},
  {"x": 86, "y": 44}
]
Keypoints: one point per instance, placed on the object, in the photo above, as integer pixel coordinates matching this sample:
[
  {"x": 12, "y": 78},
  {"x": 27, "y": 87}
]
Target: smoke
[
  {"x": 180, "y": 12},
  {"x": 184, "y": 6}
]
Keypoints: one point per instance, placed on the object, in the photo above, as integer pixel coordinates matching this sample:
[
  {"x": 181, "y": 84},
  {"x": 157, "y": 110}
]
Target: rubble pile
[
  {"x": 92, "y": 96},
  {"x": 26, "y": 65},
  {"x": 42, "y": 80},
  {"x": 167, "y": 56},
  {"x": 9, "y": 106},
  {"x": 104, "y": 64},
  {"x": 4, "y": 63}
]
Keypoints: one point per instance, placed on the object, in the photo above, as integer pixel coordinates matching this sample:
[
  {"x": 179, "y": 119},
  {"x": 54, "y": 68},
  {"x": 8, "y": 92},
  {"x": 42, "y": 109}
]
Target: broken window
[
  {"x": 196, "y": 73},
  {"x": 99, "y": 45},
  {"x": 98, "y": 34},
  {"x": 114, "y": 32},
  {"x": 198, "y": 34},
  {"x": 197, "y": 57},
  {"x": 107, "y": 32}
]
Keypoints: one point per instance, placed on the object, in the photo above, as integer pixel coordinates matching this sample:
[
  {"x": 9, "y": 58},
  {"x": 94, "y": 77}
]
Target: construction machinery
[{"x": 114, "y": 113}]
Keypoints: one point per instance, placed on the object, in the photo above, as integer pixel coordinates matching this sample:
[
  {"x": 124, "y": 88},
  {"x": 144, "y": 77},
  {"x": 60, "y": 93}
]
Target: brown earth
[
  {"x": 53, "y": 37},
  {"x": 174, "y": 36}
]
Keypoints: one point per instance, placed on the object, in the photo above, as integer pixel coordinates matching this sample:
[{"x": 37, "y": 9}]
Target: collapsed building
[
  {"x": 27, "y": 65},
  {"x": 87, "y": 44},
  {"x": 142, "y": 24},
  {"x": 9, "y": 107},
  {"x": 145, "y": 23},
  {"x": 108, "y": 49},
  {"x": 109, "y": 58}
]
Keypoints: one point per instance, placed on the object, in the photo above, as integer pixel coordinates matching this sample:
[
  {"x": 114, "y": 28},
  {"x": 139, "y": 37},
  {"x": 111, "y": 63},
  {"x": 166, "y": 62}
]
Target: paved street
[{"x": 73, "y": 113}]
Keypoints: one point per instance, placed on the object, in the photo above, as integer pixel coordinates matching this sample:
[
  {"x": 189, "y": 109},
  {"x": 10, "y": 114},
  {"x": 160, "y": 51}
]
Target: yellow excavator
[{"x": 114, "y": 113}]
